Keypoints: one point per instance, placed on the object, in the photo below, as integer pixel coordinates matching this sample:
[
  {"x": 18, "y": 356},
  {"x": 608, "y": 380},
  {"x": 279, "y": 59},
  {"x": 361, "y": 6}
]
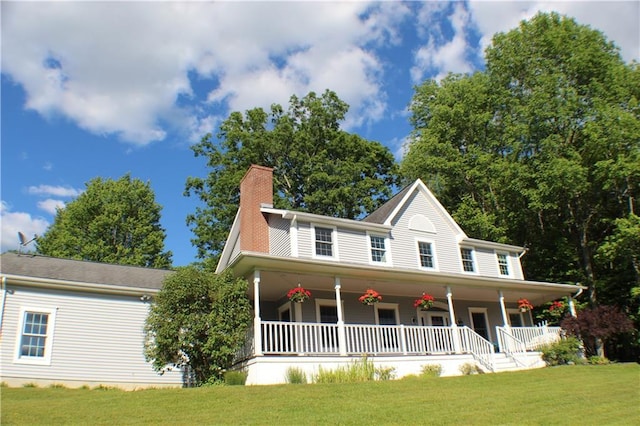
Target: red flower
[
  {"x": 556, "y": 306},
  {"x": 370, "y": 296},
  {"x": 425, "y": 302},
  {"x": 524, "y": 304},
  {"x": 298, "y": 294}
]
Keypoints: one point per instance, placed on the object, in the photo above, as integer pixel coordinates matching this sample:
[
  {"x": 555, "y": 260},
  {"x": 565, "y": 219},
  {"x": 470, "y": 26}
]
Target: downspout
[
  {"x": 4, "y": 298},
  {"x": 572, "y": 306}
]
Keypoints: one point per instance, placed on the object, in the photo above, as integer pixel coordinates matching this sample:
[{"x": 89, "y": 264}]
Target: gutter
[
  {"x": 76, "y": 286},
  {"x": 4, "y": 298}
]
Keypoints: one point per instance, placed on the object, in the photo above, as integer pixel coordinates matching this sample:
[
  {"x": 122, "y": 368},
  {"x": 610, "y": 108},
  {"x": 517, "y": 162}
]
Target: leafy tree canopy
[
  {"x": 540, "y": 149},
  {"x": 198, "y": 320},
  {"x": 317, "y": 167},
  {"x": 112, "y": 221}
]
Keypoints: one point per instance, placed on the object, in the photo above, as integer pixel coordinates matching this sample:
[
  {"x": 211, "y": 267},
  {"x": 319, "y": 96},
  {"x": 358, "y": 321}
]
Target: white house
[
  {"x": 408, "y": 247},
  {"x": 76, "y": 323}
]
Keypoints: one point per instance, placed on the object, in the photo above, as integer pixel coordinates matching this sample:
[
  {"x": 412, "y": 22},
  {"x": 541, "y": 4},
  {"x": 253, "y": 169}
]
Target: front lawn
[{"x": 567, "y": 395}]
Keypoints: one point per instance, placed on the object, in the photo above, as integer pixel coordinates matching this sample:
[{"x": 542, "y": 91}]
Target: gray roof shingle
[
  {"x": 383, "y": 212},
  {"x": 80, "y": 271}
]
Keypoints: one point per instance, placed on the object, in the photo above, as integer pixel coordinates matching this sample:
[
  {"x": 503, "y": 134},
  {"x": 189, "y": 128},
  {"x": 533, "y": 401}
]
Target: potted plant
[
  {"x": 298, "y": 294},
  {"x": 524, "y": 305},
  {"x": 370, "y": 297},
  {"x": 424, "y": 302}
]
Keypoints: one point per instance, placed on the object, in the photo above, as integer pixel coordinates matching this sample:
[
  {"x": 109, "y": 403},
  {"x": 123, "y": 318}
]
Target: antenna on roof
[{"x": 23, "y": 241}]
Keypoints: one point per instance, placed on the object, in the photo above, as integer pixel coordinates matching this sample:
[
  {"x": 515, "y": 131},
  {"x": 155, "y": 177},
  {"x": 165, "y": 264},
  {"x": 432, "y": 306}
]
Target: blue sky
[{"x": 100, "y": 89}]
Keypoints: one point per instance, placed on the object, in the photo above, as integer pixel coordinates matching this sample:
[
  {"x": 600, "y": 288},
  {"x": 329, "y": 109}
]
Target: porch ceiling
[{"x": 279, "y": 274}]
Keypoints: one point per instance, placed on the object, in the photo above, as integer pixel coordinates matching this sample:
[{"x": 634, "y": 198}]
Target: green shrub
[
  {"x": 598, "y": 360},
  {"x": 469, "y": 368},
  {"x": 431, "y": 370},
  {"x": 57, "y": 386},
  {"x": 30, "y": 385},
  {"x": 296, "y": 376},
  {"x": 235, "y": 378},
  {"x": 358, "y": 371},
  {"x": 562, "y": 352},
  {"x": 385, "y": 373}
]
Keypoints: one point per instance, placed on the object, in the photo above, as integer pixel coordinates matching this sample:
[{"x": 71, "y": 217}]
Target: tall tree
[
  {"x": 317, "y": 167},
  {"x": 541, "y": 148},
  {"x": 198, "y": 320},
  {"x": 113, "y": 221}
]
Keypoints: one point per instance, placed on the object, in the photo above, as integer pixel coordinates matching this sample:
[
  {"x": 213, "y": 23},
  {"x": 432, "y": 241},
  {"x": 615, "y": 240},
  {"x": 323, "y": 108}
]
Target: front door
[
  {"x": 434, "y": 318},
  {"x": 479, "y": 324}
]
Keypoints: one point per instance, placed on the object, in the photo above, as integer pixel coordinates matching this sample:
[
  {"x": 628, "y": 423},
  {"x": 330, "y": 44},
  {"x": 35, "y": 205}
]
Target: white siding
[
  {"x": 96, "y": 339},
  {"x": 279, "y": 242},
  {"x": 353, "y": 246},
  {"x": 403, "y": 242},
  {"x": 305, "y": 240}
]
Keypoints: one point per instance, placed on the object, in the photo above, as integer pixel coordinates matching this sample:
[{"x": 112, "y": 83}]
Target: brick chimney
[{"x": 256, "y": 188}]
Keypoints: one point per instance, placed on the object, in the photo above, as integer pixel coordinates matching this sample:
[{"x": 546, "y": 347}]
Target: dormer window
[
  {"x": 324, "y": 242},
  {"x": 468, "y": 263},
  {"x": 378, "y": 249},
  {"x": 503, "y": 264}
]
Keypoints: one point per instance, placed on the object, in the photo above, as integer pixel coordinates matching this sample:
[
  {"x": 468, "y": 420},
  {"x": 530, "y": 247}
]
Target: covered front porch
[{"x": 482, "y": 323}]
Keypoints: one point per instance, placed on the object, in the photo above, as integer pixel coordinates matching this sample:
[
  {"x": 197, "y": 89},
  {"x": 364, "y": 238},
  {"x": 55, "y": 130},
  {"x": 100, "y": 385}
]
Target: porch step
[{"x": 504, "y": 363}]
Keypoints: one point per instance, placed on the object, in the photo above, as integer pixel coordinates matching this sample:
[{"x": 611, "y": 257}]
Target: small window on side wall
[{"x": 35, "y": 337}]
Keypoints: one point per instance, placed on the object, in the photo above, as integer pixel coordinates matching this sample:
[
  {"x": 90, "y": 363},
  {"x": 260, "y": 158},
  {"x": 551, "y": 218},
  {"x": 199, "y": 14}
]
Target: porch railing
[
  {"x": 313, "y": 338},
  {"x": 510, "y": 345},
  {"x": 533, "y": 338}
]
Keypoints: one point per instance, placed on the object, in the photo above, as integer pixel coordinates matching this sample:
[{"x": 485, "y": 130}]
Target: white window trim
[
  {"x": 433, "y": 253},
  {"x": 484, "y": 311},
  {"x": 48, "y": 346},
  {"x": 509, "y": 264},
  {"x": 473, "y": 257},
  {"x": 523, "y": 315},
  {"x": 384, "y": 305},
  {"x": 387, "y": 249},
  {"x": 326, "y": 302},
  {"x": 334, "y": 242},
  {"x": 429, "y": 314}
]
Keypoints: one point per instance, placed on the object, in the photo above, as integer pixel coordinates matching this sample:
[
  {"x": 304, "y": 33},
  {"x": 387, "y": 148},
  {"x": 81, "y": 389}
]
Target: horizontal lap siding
[
  {"x": 96, "y": 338},
  {"x": 353, "y": 247},
  {"x": 404, "y": 246},
  {"x": 279, "y": 239}
]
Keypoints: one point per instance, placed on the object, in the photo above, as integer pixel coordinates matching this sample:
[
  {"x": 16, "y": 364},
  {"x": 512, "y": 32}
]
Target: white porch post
[
  {"x": 257, "y": 326},
  {"x": 454, "y": 323},
  {"x": 503, "y": 309},
  {"x": 342, "y": 336}
]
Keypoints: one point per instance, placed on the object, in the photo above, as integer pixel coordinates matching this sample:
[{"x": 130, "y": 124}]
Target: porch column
[
  {"x": 505, "y": 317},
  {"x": 257, "y": 326},
  {"x": 454, "y": 324},
  {"x": 342, "y": 336}
]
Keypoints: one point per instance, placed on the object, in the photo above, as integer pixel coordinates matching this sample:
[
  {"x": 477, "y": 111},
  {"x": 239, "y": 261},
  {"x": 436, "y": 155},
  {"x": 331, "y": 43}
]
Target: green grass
[{"x": 566, "y": 395}]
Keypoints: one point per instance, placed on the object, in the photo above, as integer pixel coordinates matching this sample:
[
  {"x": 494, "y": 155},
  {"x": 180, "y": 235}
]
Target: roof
[
  {"x": 81, "y": 272},
  {"x": 381, "y": 214}
]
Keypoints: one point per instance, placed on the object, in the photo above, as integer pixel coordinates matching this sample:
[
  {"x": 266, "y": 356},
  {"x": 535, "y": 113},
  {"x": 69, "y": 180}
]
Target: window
[
  {"x": 34, "y": 339},
  {"x": 425, "y": 251},
  {"x": 467, "y": 260},
  {"x": 503, "y": 264},
  {"x": 324, "y": 242},
  {"x": 378, "y": 249}
]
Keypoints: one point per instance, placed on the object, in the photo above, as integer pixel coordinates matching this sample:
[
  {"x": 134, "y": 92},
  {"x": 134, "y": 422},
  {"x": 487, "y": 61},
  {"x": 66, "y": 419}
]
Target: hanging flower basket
[
  {"x": 524, "y": 305},
  {"x": 370, "y": 297},
  {"x": 425, "y": 302},
  {"x": 298, "y": 294}
]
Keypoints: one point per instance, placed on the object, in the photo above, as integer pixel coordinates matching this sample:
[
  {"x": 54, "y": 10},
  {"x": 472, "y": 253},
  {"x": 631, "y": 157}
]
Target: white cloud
[
  {"x": 13, "y": 222},
  {"x": 59, "y": 191},
  {"x": 442, "y": 57},
  {"x": 50, "y": 205},
  {"x": 118, "y": 68},
  {"x": 618, "y": 20}
]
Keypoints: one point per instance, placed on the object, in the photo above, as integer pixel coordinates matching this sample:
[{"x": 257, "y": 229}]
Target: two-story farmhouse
[{"x": 408, "y": 248}]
